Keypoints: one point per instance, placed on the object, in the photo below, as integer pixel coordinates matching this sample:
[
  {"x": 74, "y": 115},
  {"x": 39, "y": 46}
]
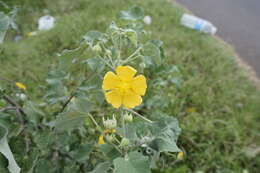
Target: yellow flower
[
  {"x": 123, "y": 88},
  {"x": 31, "y": 33},
  {"x": 20, "y": 85},
  {"x": 191, "y": 110},
  {"x": 180, "y": 155},
  {"x": 101, "y": 139}
]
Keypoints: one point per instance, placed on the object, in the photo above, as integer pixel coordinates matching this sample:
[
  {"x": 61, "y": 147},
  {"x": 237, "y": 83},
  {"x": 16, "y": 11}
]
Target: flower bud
[
  {"x": 180, "y": 155},
  {"x": 110, "y": 123},
  {"x": 110, "y": 138},
  {"x": 124, "y": 142},
  {"x": 128, "y": 117},
  {"x": 97, "y": 48}
]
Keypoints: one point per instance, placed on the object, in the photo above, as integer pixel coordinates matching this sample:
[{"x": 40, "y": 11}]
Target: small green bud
[
  {"x": 124, "y": 142},
  {"x": 110, "y": 138},
  {"x": 110, "y": 123},
  {"x": 97, "y": 48},
  {"x": 128, "y": 117}
]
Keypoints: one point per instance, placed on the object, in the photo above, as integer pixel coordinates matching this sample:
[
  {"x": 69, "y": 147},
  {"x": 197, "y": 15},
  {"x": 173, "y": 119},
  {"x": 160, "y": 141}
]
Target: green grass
[{"x": 226, "y": 120}]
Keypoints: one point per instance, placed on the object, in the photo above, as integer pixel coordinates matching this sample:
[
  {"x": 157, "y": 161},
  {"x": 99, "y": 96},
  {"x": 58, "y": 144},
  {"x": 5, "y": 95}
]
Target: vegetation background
[{"x": 216, "y": 104}]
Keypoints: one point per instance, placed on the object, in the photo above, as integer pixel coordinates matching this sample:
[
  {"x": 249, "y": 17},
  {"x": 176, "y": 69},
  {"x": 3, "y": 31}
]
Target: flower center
[{"x": 124, "y": 87}]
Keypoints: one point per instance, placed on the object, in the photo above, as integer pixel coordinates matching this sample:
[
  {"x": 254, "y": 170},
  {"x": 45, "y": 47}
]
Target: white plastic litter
[
  {"x": 46, "y": 22},
  {"x": 199, "y": 24},
  {"x": 148, "y": 20},
  {"x": 17, "y": 38}
]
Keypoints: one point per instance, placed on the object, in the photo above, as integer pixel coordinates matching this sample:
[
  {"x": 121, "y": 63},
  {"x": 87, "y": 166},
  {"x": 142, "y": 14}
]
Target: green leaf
[
  {"x": 94, "y": 36},
  {"x": 68, "y": 57},
  {"x": 3, "y": 164},
  {"x": 68, "y": 121},
  {"x": 167, "y": 131},
  {"x": 132, "y": 36},
  {"x": 96, "y": 64},
  {"x": 161, "y": 136},
  {"x": 113, "y": 28},
  {"x": 44, "y": 166},
  {"x": 33, "y": 112},
  {"x": 81, "y": 154},
  {"x": 6, "y": 151},
  {"x": 101, "y": 168},
  {"x": 4, "y": 25},
  {"x": 159, "y": 44},
  {"x": 43, "y": 139},
  {"x": 152, "y": 52},
  {"x": 130, "y": 131},
  {"x": 134, "y": 163},
  {"x": 81, "y": 105},
  {"x": 134, "y": 13},
  {"x": 109, "y": 151}
]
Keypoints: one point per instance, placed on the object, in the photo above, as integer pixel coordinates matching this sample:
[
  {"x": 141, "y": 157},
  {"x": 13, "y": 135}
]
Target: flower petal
[
  {"x": 20, "y": 85},
  {"x": 139, "y": 85},
  {"x": 125, "y": 72},
  {"x": 114, "y": 98},
  {"x": 110, "y": 81},
  {"x": 101, "y": 140},
  {"x": 131, "y": 100}
]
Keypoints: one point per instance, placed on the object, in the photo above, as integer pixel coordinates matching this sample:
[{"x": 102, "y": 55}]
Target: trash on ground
[
  {"x": 17, "y": 38},
  {"x": 46, "y": 22},
  {"x": 4, "y": 25},
  {"x": 148, "y": 20},
  {"x": 197, "y": 23}
]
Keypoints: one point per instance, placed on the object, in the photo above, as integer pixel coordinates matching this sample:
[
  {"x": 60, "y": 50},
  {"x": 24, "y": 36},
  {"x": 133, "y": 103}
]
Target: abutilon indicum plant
[{"x": 98, "y": 113}]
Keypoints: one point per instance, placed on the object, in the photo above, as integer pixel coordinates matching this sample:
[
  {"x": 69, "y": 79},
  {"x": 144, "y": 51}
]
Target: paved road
[{"x": 238, "y": 23}]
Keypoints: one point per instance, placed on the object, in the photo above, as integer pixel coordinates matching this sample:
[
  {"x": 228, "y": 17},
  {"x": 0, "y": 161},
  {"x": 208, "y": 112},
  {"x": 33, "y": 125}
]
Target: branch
[
  {"x": 7, "y": 109},
  {"x": 66, "y": 103},
  {"x": 17, "y": 106},
  {"x": 131, "y": 56}
]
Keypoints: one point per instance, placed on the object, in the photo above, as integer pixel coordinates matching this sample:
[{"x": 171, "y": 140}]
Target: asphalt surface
[{"x": 238, "y": 23}]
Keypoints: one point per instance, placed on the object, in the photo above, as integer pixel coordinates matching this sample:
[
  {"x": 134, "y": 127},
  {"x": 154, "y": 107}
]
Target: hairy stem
[{"x": 131, "y": 56}]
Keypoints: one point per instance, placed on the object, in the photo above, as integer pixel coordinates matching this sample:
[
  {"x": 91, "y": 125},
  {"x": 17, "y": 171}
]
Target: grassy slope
[{"x": 227, "y": 105}]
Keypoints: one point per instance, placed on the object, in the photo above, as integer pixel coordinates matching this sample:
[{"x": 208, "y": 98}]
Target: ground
[
  {"x": 216, "y": 104},
  {"x": 237, "y": 22}
]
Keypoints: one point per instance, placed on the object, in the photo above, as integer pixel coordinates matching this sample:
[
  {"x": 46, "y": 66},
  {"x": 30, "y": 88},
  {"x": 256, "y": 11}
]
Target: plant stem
[
  {"x": 66, "y": 103},
  {"x": 101, "y": 131},
  {"x": 17, "y": 106},
  {"x": 131, "y": 56},
  {"x": 94, "y": 121},
  {"x": 135, "y": 57},
  {"x": 132, "y": 111},
  {"x": 106, "y": 62},
  {"x": 123, "y": 121}
]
